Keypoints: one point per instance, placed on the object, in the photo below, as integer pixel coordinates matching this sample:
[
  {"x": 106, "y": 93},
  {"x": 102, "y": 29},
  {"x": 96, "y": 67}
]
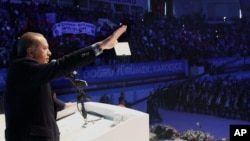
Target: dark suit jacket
[{"x": 30, "y": 112}]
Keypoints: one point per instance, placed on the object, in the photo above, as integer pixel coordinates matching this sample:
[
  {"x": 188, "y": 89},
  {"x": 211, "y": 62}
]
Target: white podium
[
  {"x": 2, "y": 127},
  {"x": 115, "y": 124},
  {"x": 110, "y": 123}
]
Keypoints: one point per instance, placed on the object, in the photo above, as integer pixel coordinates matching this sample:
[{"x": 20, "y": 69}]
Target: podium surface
[
  {"x": 105, "y": 122},
  {"x": 110, "y": 123},
  {"x": 2, "y": 127}
]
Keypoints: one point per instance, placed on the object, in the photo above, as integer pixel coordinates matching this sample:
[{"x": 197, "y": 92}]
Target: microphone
[
  {"x": 71, "y": 75},
  {"x": 79, "y": 82}
]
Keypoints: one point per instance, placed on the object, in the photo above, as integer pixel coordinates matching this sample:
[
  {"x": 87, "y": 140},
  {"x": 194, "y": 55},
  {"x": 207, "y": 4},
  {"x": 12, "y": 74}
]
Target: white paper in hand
[{"x": 122, "y": 49}]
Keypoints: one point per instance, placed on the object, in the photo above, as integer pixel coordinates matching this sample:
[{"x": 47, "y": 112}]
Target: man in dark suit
[{"x": 30, "y": 111}]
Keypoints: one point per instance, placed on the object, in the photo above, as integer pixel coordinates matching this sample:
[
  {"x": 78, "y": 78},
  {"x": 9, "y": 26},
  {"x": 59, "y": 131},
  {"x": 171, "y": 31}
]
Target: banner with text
[
  {"x": 74, "y": 28},
  {"x": 134, "y": 71}
]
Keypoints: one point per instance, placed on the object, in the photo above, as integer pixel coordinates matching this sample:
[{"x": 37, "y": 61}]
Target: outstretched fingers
[
  {"x": 119, "y": 32},
  {"x": 111, "y": 41}
]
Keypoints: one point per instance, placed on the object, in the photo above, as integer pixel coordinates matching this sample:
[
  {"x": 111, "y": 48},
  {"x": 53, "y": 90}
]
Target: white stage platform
[{"x": 105, "y": 122}]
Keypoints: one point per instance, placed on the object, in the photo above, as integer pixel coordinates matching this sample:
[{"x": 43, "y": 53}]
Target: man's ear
[{"x": 30, "y": 52}]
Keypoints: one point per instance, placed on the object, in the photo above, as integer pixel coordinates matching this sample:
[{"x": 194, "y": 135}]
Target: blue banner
[
  {"x": 134, "y": 71},
  {"x": 2, "y": 79},
  {"x": 230, "y": 61}
]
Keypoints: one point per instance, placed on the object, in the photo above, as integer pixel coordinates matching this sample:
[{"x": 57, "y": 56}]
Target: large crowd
[
  {"x": 152, "y": 37},
  {"x": 226, "y": 97}
]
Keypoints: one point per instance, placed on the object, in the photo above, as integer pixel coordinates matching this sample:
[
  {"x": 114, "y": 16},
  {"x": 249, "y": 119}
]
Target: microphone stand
[{"x": 80, "y": 98}]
